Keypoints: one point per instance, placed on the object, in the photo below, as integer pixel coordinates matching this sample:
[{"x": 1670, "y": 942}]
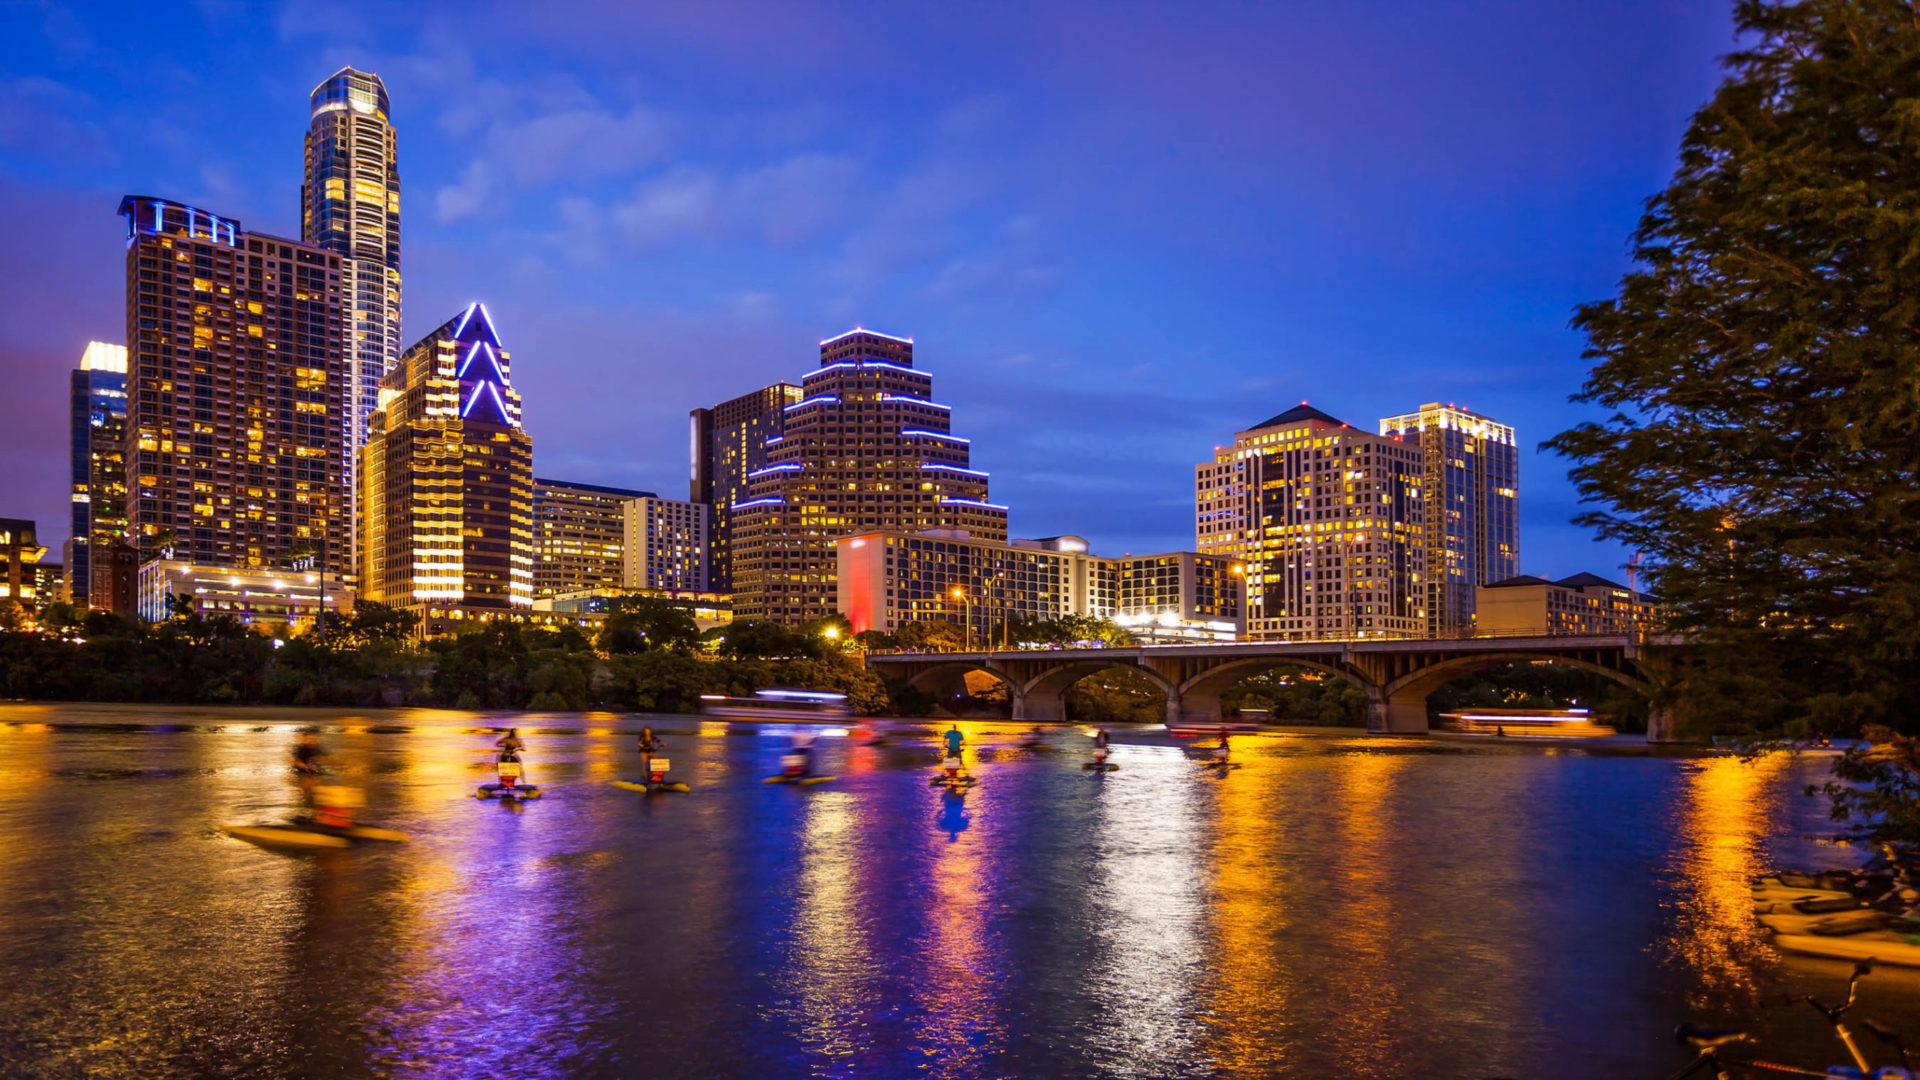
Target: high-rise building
[
  {"x": 580, "y": 536},
  {"x": 1583, "y": 604},
  {"x": 446, "y": 484},
  {"x": 864, "y": 448},
  {"x": 666, "y": 542},
  {"x": 97, "y": 426},
  {"x": 887, "y": 579},
  {"x": 1328, "y": 521},
  {"x": 1471, "y": 480},
  {"x": 234, "y": 390},
  {"x": 20, "y": 550},
  {"x": 729, "y": 443},
  {"x": 350, "y": 205}
]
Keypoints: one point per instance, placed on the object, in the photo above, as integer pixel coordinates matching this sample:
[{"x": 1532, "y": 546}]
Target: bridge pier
[
  {"x": 1194, "y": 705},
  {"x": 1400, "y": 714},
  {"x": 1660, "y": 725},
  {"x": 1039, "y": 707}
]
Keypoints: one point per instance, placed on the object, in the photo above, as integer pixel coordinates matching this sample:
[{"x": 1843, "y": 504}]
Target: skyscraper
[
  {"x": 666, "y": 545},
  {"x": 350, "y": 205},
  {"x": 446, "y": 484},
  {"x": 97, "y": 425},
  {"x": 234, "y": 389},
  {"x": 579, "y": 536},
  {"x": 729, "y": 442},
  {"x": 1471, "y": 475},
  {"x": 865, "y": 448},
  {"x": 1327, "y": 520}
]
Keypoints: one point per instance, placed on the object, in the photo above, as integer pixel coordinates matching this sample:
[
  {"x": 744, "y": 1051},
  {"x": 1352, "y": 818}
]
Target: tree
[
  {"x": 766, "y": 641},
  {"x": 932, "y": 635},
  {"x": 1762, "y": 365},
  {"x": 645, "y": 622},
  {"x": 374, "y": 621}
]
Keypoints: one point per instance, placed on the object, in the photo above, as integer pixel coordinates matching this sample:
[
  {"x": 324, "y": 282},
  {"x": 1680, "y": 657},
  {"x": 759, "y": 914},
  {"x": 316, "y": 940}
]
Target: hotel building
[
  {"x": 350, "y": 205},
  {"x": 666, "y": 545},
  {"x": 1328, "y": 521},
  {"x": 1470, "y": 477},
  {"x": 729, "y": 443},
  {"x": 580, "y": 536},
  {"x": 865, "y": 448},
  {"x": 1584, "y": 604},
  {"x": 887, "y": 579},
  {"x": 234, "y": 390},
  {"x": 97, "y": 449},
  {"x": 446, "y": 485}
]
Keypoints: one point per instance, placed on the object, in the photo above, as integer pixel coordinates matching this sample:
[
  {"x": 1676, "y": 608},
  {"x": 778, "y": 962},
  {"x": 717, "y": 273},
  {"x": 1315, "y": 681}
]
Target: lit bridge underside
[{"x": 1396, "y": 676}]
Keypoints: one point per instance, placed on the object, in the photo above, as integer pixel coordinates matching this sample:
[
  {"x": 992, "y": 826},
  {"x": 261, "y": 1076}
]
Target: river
[{"x": 1338, "y": 907}]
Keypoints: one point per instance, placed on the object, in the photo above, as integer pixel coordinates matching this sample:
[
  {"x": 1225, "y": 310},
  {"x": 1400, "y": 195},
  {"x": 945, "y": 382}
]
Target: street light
[{"x": 960, "y": 594}]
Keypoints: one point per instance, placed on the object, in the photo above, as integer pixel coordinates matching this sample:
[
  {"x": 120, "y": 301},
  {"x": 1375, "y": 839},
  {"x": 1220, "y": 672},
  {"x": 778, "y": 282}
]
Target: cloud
[
  {"x": 793, "y": 200},
  {"x": 976, "y": 277},
  {"x": 579, "y": 142},
  {"x": 43, "y": 117},
  {"x": 682, "y": 204},
  {"x": 456, "y": 201}
]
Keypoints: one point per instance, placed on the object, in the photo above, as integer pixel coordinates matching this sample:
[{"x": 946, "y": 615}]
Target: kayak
[
  {"x": 310, "y": 836},
  {"x": 953, "y": 783},
  {"x": 1885, "y": 946},
  {"x": 651, "y": 788},
  {"x": 498, "y": 791},
  {"x": 803, "y": 781}
]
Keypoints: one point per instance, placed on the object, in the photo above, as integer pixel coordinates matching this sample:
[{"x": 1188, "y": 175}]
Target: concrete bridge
[{"x": 1396, "y": 675}]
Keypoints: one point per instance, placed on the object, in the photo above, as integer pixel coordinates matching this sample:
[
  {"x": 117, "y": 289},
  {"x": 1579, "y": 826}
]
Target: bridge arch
[
  {"x": 1199, "y": 695},
  {"x": 947, "y": 681},
  {"x": 1405, "y": 697},
  {"x": 1042, "y": 699}
]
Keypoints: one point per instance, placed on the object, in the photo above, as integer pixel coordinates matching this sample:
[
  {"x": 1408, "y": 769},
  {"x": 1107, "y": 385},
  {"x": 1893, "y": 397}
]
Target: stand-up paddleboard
[
  {"x": 648, "y": 787},
  {"x": 1100, "y": 766},
  {"x": 1223, "y": 766},
  {"x": 311, "y": 836},
  {"x": 954, "y": 783},
  {"x": 509, "y": 770},
  {"x": 802, "y": 781}
]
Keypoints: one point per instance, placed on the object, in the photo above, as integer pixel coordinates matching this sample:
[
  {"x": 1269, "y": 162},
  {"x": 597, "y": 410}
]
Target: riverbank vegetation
[{"x": 1760, "y": 372}]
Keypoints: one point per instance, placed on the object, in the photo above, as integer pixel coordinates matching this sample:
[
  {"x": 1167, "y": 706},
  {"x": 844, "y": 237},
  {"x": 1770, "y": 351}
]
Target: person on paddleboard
[
  {"x": 510, "y": 745},
  {"x": 1220, "y": 751},
  {"x": 307, "y": 754},
  {"x": 803, "y": 751},
  {"x": 649, "y": 742},
  {"x": 954, "y": 741},
  {"x": 1100, "y": 746}
]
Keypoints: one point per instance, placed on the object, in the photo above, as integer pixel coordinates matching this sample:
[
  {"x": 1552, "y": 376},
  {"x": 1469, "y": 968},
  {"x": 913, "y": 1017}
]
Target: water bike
[
  {"x": 656, "y": 781},
  {"x": 1100, "y": 762},
  {"x": 331, "y": 825},
  {"x": 509, "y": 785},
  {"x": 952, "y": 778},
  {"x": 793, "y": 770}
]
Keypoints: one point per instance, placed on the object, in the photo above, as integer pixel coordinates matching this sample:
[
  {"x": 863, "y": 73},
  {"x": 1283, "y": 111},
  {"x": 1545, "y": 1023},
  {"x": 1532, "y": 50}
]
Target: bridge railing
[{"x": 1335, "y": 639}]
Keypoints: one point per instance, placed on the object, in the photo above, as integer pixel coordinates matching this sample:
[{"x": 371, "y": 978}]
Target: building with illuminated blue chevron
[
  {"x": 865, "y": 448},
  {"x": 446, "y": 481}
]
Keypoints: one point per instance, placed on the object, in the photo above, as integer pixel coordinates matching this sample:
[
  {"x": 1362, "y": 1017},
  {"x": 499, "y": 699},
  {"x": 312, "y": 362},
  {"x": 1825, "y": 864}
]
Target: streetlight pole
[{"x": 966, "y": 600}]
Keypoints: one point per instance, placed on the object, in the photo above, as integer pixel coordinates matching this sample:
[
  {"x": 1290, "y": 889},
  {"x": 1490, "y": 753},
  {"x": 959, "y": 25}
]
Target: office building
[
  {"x": 1470, "y": 479},
  {"x": 1328, "y": 521},
  {"x": 1584, "y": 604},
  {"x": 865, "y": 448},
  {"x": 350, "y": 205},
  {"x": 278, "y": 600},
  {"x": 446, "y": 485},
  {"x": 666, "y": 545},
  {"x": 888, "y": 579},
  {"x": 97, "y": 429},
  {"x": 580, "y": 536},
  {"x": 20, "y": 551},
  {"x": 49, "y": 583},
  {"x": 234, "y": 390},
  {"x": 729, "y": 443}
]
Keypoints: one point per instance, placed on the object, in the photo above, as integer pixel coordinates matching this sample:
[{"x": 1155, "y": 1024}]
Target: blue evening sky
[{"x": 1118, "y": 232}]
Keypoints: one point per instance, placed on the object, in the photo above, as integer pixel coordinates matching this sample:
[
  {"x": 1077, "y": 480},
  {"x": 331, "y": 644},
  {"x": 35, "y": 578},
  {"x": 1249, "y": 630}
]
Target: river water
[{"x": 1338, "y": 907}]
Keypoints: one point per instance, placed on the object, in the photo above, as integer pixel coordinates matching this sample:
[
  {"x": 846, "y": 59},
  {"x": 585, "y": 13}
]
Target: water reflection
[
  {"x": 957, "y": 1028},
  {"x": 1726, "y": 812},
  {"x": 1249, "y": 996},
  {"x": 830, "y": 949}
]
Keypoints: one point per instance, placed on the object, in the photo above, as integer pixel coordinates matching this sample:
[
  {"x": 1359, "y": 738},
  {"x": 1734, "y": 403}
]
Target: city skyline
[{"x": 1136, "y": 387}]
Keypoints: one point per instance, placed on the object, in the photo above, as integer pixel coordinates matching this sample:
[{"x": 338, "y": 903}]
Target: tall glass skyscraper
[
  {"x": 97, "y": 403},
  {"x": 1472, "y": 480},
  {"x": 350, "y": 205}
]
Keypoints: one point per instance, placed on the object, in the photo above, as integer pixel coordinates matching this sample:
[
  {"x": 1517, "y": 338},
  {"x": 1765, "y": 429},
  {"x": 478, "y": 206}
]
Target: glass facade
[
  {"x": 97, "y": 423},
  {"x": 1471, "y": 470}
]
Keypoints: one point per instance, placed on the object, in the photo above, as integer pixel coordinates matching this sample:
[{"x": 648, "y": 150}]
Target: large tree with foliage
[{"x": 1763, "y": 367}]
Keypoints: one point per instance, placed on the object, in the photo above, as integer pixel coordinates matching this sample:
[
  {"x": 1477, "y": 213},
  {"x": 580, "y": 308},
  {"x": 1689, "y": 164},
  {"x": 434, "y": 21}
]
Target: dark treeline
[{"x": 647, "y": 657}]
